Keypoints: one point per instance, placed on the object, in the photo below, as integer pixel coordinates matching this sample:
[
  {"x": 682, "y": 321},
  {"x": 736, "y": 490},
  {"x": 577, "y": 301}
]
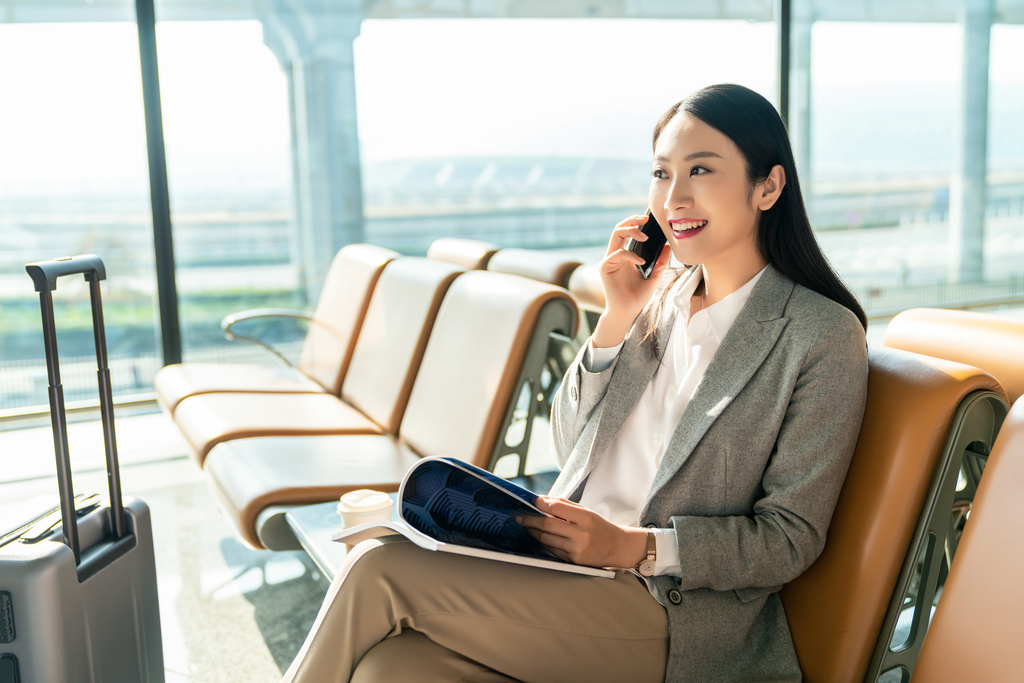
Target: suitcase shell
[{"x": 81, "y": 605}]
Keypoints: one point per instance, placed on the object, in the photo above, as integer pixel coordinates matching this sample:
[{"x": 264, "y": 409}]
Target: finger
[
  {"x": 555, "y": 526},
  {"x": 624, "y": 230},
  {"x": 562, "y": 555},
  {"x": 619, "y": 258},
  {"x": 663, "y": 258},
  {"x": 529, "y": 521},
  {"x": 570, "y": 512},
  {"x": 550, "y": 541},
  {"x": 638, "y": 219}
]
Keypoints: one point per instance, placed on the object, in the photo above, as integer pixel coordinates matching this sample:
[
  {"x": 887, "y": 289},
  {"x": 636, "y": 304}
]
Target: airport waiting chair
[
  {"x": 384, "y": 362},
  {"x": 993, "y": 343},
  {"x": 977, "y": 626},
  {"x": 327, "y": 349},
  {"x": 585, "y": 287},
  {"x": 478, "y": 379},
  {"x": 892, "y": 520},
  {"x": 554, "y": 269},
  {"x": 470, "y": 254},
  {"x": 535, "y": 264}
]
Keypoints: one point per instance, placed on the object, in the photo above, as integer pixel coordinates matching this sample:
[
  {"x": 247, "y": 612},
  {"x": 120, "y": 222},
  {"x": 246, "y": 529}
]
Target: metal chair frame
[{"x": 973, "y": 431}]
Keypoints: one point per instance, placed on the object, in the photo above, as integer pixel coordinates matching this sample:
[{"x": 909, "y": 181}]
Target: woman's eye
[
  {"x": 698, "y": 170},
  {"x": 659, "y": 174}
]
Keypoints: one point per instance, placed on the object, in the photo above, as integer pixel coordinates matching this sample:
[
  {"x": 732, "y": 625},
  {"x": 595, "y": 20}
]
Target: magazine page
[
  {"x": 379, "y": 528},
  {"x": 525, "y": 496},
  {"x": 451, "y": 502}
]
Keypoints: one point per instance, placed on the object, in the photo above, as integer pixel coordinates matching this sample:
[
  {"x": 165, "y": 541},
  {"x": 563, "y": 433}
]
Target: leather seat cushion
[
  {"x": 210, "y": 419},
  {"x": 176, "y": 382},
  {"x": 249, "y": 475}
]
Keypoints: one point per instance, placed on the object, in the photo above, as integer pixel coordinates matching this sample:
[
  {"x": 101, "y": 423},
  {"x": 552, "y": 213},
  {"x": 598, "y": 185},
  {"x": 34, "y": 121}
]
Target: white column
[
  {"x": 967, "y": 193},
  {"x": 317, "y": 45},
  {"x": 799, "y": 123}
]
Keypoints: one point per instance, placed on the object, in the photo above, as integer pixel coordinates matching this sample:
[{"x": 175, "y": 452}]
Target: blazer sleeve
[
  {"x": 801, "y": 482},
  {"x": 574, "y": 403}
]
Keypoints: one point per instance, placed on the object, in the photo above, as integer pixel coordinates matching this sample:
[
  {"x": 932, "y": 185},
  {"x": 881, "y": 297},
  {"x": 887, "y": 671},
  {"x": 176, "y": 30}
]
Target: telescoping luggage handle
[{"x": 44, "y": 274}]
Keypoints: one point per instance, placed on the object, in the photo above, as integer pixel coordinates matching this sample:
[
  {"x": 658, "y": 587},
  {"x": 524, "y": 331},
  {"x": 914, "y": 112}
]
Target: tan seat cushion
[
  {"x": 837, "y": 606},
  {"x": 994, "y": 343},
  {"x": 175, "y": 382},
  {"x": 470, "y": 254},
  {"x": 535, "y": 264},
  {"x": 977, "y": 626},
  {"x": 210, "y": 419},
  {"x": 250, "y": 475}
]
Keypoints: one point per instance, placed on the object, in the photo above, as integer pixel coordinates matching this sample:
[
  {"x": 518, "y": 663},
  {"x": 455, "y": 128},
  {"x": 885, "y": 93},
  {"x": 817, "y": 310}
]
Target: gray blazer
[{"x": 749, "y": 479}]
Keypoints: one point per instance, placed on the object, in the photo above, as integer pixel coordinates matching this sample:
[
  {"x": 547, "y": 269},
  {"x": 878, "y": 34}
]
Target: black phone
[{"x": 650, "y": 250}]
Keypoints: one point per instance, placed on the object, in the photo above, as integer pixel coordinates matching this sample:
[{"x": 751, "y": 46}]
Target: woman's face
[{"x": 699, "y": 195}]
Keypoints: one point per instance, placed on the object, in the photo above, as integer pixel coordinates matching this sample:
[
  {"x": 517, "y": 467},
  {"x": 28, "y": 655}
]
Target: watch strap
[{"x": 652, "y": 549}]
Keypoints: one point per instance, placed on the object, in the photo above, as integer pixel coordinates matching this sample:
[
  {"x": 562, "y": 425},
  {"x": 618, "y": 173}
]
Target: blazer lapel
[{"x": 746, "y": 345}]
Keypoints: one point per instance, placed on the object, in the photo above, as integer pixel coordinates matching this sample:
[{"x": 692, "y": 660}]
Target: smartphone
[{"x": 650, "y": 250}]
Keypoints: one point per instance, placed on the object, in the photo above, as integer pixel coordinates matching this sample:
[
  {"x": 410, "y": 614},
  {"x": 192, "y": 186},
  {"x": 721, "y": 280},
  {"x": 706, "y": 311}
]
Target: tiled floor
[{"x": 228, "y": 614}]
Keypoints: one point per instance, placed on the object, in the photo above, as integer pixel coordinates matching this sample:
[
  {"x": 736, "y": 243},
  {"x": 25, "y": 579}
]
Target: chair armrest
[{"x": 255, "y": 314}]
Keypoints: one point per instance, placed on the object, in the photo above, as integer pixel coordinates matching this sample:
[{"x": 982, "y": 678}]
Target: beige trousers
[{"x": 396, "y": 612}]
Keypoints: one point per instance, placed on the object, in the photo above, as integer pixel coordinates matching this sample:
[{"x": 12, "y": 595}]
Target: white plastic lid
[{"x": 364, "y": 500}]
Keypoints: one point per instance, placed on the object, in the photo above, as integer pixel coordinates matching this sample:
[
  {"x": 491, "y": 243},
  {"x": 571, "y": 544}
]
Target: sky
[{"x": 425, "y": 88}]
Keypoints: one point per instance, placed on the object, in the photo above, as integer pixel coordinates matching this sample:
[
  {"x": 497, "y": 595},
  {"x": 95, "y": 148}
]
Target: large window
[
  {"x": 292, "y": 131},
  {"x": 890, "y": 140},
  {"x": 226, "y": 126},
  {"x": 533, "y": 133},
  {"x": 74, "y": 179},
  {"x": 285, "y": 142}
]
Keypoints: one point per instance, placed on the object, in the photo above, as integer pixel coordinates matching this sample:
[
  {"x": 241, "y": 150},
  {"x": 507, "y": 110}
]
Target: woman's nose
[{"x": 679, "y": 197}]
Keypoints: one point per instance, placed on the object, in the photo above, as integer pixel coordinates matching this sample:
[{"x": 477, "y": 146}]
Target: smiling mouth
[{"x": 683, "y": 227}]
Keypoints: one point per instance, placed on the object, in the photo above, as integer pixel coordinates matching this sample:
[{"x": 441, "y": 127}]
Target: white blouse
[{"x": 620, "y": 483}]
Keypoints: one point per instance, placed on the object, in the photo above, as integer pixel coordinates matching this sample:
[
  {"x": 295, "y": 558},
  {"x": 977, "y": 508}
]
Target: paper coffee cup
[{"x": 362, "y": 506}]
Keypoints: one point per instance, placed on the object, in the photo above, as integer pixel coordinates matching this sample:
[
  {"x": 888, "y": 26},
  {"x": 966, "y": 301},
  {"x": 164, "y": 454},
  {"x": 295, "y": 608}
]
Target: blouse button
[
  {"x": 675, "y": 597},
  {"x": 656, "y": 440},
  {"x": 572, "y": 393}
]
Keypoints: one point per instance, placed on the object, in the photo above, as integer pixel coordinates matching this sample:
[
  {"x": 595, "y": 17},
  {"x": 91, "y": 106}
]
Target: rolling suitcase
[{"x": 78, "y": 595}]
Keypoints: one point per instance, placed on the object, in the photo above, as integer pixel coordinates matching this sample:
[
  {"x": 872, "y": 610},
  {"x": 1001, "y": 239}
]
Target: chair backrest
[
  {"x": 977, "y": 626},
  {"x": 491, "y": 329},
  {"x": 393, "y": 337},
  {"x": 837, "y": 607},
  {"x": 993, "y": 343},
  {"x": 470, "y": 254},
  {"x": 339, "y": 312},
  {"x": 535, "y": 264},
  {"x": 585, "y": 286}
]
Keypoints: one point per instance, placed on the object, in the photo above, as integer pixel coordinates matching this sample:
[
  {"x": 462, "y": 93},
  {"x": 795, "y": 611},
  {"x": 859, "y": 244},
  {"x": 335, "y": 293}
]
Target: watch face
[{"x": 646, "y": 568}]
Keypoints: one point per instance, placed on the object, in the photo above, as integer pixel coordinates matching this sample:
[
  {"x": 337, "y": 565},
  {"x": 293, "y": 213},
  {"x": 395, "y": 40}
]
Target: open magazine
[{"x": 447, "y": 505}]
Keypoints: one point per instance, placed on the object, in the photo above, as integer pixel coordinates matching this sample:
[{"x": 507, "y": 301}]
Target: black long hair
[{"x": 784, "y": 235}]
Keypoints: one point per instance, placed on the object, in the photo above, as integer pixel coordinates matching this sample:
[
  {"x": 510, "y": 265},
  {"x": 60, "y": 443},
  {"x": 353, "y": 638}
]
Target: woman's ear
[{"x": 771, "y": 188}]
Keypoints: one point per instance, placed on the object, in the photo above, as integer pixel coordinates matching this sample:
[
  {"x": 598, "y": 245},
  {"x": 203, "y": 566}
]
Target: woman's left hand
[{"x": 584, "y": 537}]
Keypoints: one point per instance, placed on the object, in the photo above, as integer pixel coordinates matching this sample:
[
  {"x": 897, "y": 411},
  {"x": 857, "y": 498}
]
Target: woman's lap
[{"x": 531, "y": 624}]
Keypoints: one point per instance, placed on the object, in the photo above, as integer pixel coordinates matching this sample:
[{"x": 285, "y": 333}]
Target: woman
[{"x": 704, "y": 433}]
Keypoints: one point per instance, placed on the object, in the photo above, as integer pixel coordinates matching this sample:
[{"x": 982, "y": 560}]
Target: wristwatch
[{"x": 646, "y": 566}]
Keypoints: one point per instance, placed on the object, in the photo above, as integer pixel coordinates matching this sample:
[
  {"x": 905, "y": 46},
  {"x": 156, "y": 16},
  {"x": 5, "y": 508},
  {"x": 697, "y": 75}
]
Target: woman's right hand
[{"x": 625, "y": 292}]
